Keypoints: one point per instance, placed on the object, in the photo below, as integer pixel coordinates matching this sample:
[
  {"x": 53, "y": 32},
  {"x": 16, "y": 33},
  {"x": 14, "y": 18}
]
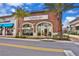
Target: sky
[{"x": 9, "y": 8}]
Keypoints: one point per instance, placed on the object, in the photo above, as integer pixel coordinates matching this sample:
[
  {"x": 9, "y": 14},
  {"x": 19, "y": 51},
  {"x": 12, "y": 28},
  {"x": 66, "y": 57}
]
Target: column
[
  {"x": 15, "y": 28},
  {"x": 4, "y": 31}
]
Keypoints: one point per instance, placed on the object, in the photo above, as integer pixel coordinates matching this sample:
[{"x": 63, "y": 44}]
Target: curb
[
  {"x": 21, "y": 39},
  {"x": 46, "y": 40}
]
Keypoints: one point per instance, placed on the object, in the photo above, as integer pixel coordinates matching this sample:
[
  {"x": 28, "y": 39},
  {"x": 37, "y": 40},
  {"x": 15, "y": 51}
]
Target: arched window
[
  {"x": 1, "y": 30},
  {"x": 44, "y": 29},
  {"x": 27, "y": 29}
]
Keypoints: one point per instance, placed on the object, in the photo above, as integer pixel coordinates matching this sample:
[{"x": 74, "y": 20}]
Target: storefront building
[
  {"x": 74, "y": 26},
  {"x": 37, "y": 24}
]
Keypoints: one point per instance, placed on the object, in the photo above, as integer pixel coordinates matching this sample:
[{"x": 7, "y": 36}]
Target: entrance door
[
  {"x": 45, "y": 32},
  {"x": 1, "y": 30},
  {"x": 44, "y": 29},
  {"x": 27, "y": 30}
]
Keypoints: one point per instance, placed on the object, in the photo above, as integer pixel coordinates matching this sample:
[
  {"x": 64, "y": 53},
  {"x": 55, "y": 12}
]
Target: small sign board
[{"x": 38, "y": 17}]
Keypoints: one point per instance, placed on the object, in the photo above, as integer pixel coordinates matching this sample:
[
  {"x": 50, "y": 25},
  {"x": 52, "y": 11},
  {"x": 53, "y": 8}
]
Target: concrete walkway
[
  {"x": 45, "y": 40},
  {"x": 74, "y": 37}
]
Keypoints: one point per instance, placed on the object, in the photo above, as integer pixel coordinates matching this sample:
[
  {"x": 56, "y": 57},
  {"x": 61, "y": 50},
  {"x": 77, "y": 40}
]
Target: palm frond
[{"x": 20, "y": 13}]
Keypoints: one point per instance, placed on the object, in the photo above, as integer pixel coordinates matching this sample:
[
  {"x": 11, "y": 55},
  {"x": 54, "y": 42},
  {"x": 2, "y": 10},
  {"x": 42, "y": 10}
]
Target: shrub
[{"x": 64, "y": 37}]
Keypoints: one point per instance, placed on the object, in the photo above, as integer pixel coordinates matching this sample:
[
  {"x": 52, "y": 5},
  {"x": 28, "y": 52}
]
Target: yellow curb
[{"x": 33, "y": 48}]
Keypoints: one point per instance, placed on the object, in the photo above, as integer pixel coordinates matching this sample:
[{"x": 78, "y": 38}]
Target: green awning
[
  {"x": 0, "y": 25},
  {"x": 7, "y": 25}
]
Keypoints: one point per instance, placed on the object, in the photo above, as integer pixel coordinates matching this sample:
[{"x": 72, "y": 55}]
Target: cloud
[
  {"x": 13, "y": 10},
  {"x": 71, "y": 11},
  {"x": 65, "y": 23},
  {"x": 6, "y": 10},
  {"x": 68, "y": 19},
  {"x": 15, "y": 4}
]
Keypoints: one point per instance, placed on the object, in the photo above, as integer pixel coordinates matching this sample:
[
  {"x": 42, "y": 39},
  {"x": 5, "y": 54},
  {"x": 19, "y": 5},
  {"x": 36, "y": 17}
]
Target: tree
[
  {"x": 19, "y": 15},
  {"x": 59, "y": 8}
]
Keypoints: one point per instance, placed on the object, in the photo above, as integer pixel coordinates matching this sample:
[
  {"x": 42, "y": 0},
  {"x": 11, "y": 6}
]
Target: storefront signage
[
  {"x": 4, "y": 20},
  {"x": 40, "y": 17},
  {"x": 7, "y": 20}
]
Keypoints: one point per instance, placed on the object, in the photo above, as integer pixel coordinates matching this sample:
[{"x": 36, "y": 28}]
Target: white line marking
[
  {"x": 69, "y": 53},
  {"x": 76, "y": 43}
]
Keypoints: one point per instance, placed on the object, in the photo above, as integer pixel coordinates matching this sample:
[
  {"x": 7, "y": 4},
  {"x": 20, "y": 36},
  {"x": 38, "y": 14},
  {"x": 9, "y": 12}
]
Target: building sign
[
  {"x": 7, "y": 20},
  {"x": 2, "y": 20},
  {"x": 40, "y": 17}
]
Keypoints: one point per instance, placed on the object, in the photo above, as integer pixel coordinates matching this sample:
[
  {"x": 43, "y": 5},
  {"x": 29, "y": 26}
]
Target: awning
[
  {"x": 7, "y": 25},
  {"x": 0, "y": 25}
]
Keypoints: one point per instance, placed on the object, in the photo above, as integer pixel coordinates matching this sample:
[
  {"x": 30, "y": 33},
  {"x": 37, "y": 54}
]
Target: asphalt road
[{"x": 12, "y": 47}]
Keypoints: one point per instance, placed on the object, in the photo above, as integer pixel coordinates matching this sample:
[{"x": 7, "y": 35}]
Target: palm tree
[
  {"x": 60, "y": 8},
  {"x": 19, "y": 15}
]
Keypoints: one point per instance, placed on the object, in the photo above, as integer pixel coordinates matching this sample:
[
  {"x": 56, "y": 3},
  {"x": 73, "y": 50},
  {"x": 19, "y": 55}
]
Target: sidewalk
[
  {"x": 19, "y": 39},
  {"x": 45, "y": 40},
  {"x": 25, "y": 39},
  {"x": 74, "y": 37}
]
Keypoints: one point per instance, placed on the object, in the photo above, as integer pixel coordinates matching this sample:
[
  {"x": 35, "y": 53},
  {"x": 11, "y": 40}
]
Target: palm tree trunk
[
  {"x": 20, "y": 26},
  {"x": 17, "y": 27},
  {"x": 60, "y": 23}
]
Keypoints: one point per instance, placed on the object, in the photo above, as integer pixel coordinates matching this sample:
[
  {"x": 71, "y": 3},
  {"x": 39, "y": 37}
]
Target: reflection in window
[
  {"x": 27, "y": 30},
  {"x": 44, "y": 29},
  {"x": 1, "y": 30},
  {"x": 9, "y": 31},
  {"x": 77, "y": 27}
]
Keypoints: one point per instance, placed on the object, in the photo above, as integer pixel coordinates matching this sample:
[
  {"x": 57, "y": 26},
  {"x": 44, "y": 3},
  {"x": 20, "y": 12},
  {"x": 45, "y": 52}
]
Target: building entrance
[
  {"x": 27, "y": 30},
  {"x": 44, "y": 29}
]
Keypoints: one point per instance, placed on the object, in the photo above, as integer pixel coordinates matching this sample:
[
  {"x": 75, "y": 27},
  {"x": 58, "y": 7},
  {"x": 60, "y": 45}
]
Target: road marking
[
  {"x": 69, "y": 53},
  {"x": 32, "y": 47},
  {"x": 76, "y": 43}
]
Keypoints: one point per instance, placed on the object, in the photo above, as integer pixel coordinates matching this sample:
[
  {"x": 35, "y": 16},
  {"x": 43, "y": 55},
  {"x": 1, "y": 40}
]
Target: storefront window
[
  {"x": 1, "y": 31},
  {"x": 44, "y": 29},
  {"x": 77, "y": 27},
  {"x": 27, "y": 30},
  {"x": 9, "y": 31}
]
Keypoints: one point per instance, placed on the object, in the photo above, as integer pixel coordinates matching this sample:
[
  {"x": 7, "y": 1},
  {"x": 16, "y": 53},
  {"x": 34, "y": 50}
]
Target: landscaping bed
[
  {"x": 54, "y": 37},
  {"x": 34, "y": 37},
  {"x": 64, "y": 37}
]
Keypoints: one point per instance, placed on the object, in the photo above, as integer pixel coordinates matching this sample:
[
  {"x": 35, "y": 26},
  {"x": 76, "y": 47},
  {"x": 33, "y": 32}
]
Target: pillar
[{"x": 4, "y": 31}]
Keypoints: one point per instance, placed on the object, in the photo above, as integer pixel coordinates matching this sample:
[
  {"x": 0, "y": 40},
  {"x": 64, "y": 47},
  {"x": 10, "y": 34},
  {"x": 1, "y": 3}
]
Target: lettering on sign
[{"x": 40, "y": 17}]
